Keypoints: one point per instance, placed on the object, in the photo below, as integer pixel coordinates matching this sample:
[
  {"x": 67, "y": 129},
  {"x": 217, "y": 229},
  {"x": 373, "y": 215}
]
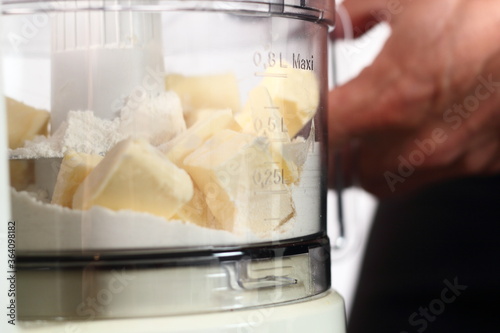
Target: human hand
[{"x": 428, "y": 108}]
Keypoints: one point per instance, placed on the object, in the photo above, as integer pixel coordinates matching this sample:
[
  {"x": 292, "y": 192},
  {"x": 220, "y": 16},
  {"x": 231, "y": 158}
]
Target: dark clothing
[{"x": 432, "y": 262}]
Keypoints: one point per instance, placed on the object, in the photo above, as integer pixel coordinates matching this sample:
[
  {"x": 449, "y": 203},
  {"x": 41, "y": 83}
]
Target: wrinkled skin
[{"x": 424, "y": 111}]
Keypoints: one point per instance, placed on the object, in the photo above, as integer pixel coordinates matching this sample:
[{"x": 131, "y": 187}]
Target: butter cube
[
  {"x": 24, "y": 122},
  {"x": 296, "y": 93},
  {"x": 242, "y": 187},
  {"x": 135, "y": 176},
  {"x": 283, "y": 162},
  {"x": 184, "y": 144},
  {"x": 22, "y": 173},
  {"x": 196, "y": 211},
  {"x": 192, "y": 118},
  {"x": 218, "y": 91},
  {"x": 260, "y": 117},
  {"x": 74, "y": 169}
]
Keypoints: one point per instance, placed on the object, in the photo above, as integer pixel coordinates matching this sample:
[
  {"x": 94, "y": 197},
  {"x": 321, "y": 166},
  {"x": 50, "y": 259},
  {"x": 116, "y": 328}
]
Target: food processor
[{"x": 168, "y": 165}]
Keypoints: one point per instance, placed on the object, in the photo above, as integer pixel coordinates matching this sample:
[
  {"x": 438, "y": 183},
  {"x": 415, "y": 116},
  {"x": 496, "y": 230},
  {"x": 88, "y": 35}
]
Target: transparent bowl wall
[
  {"x": 175, "y": 147},
  {"x": 239, "y": 87}
]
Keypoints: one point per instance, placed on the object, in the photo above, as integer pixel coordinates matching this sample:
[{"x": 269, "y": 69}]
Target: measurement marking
[
  {"x": 271, "y": 192},
  {"x": 264, "y": 74},
  {"x": 272, "y": 268}
]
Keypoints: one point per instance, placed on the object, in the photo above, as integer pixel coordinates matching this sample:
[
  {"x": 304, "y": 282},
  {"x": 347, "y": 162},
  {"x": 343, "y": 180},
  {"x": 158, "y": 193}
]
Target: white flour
[
  {"x": 42, "y": 226},
  {"x": 82, "y": 132},
  {"x": 45, "y": 227},
  {"x": 158, "y": 118}
]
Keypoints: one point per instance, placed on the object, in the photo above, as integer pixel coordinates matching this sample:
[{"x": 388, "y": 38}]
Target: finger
[
  {"x": 363, "y": 15},
  {"x": 469, "y": 134},
  {"x": 495, "y": 165},
  {"x": 368, "y": 103},
  {"x": 390, "y": 175},
  {"x": 482, "y": 155},
  {"x": 404, "y": 178}
]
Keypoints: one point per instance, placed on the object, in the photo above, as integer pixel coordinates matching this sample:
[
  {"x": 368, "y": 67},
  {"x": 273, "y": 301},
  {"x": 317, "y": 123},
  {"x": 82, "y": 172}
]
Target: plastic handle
[{"x": 340, "y": 240}]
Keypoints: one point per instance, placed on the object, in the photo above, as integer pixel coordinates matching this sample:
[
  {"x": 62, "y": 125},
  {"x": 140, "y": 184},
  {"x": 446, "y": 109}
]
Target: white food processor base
[{"x": 322, "y": 314}]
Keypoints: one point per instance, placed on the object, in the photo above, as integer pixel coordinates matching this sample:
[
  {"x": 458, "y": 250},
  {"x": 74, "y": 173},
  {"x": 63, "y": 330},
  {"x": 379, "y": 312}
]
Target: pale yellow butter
[
  {"x": 242, "y": 186},
  {"x": 74, "y": 169},
  {"x": 196, "y": 211},
  {"x": 295, "y": 92},
  {"x": 22, "y": 173},
  {"x": 218, "y": 91},
  {"x": 24, "y": 122},
  {"x": 193, "y": 117},
  {"x": 181, "y": 146},
  {"x": 135, "y": 176},
  {"x": 260, "y": 117}
]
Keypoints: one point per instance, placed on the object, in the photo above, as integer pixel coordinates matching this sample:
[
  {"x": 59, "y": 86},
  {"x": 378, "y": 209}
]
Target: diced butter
[
  {"x": 296, "y": 93},
  {"x": 181, "y": 146},
  {"x": 24, "y": 122},
  {"x": 135, "y": 176},
  {"x": 218, "y": 91},
  {"x": 196, "y": 211},
  {"x": 22, "y": 173},
  {"x": 158, "y": 118},
  {"x": 74, "y": 169},
  {"x": 259, "y": 116},
  {"x": 194, "y": 117},
  {"x": 283, "y": 162},
  {"x": 242, "y": 186}
]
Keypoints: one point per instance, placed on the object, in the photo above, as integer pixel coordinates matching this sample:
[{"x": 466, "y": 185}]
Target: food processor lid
[{"x": 311, "y": 10}]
